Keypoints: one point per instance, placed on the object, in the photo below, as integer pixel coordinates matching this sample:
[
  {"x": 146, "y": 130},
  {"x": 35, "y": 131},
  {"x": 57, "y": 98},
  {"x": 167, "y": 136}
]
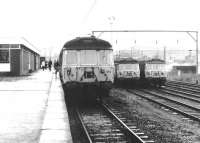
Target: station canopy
[{"x": 20, "y": 41}]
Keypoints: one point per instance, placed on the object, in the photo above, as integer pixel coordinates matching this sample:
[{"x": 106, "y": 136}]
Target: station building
[{"x": 18, "y": 57}]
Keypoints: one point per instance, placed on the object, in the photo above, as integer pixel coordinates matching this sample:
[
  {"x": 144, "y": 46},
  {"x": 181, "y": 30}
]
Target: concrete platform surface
[
  {"x": 25, "y": 104},
  {"x": 56, "y": 127}
]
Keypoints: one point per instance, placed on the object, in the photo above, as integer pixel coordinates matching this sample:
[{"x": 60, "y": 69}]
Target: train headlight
[{"x": 163, "y": 74}]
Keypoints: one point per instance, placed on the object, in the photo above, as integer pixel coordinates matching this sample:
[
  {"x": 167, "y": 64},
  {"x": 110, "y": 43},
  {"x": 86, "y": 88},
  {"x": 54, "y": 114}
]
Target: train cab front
[
  {"x": 156, "y": 78},
  {"x": 89, "y": 77}
]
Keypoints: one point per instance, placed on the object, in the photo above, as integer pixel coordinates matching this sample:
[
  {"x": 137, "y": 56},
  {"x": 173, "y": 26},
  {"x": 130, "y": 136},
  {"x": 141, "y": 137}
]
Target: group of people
[{"x": 45, "y": 65}]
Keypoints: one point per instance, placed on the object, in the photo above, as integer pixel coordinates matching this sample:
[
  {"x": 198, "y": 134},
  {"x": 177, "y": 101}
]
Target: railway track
[
  {"x": 179, "y": 93},
  {"x": 189, "y": 110},
  {"x": 183, "y": 83},
  {"x": 184, "y": 87},
  {"x": 102, "y": 123}
]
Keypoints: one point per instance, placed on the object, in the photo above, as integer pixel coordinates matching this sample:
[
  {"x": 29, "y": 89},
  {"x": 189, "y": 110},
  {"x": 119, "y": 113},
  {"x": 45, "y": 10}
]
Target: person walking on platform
[
  {"x": 46, "y": 63},
  {"x": 56, "y": 67},
  {"x": 43, "y": 65},
  {"x": 50, "y": 64}
]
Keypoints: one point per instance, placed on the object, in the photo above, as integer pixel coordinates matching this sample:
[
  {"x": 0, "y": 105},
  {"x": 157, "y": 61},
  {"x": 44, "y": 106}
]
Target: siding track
[{"x": 173, "y": 104}]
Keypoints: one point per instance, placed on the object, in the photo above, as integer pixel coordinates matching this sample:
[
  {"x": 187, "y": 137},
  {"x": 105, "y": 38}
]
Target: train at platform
[
  {"x": 153, "y": 72},
  {"x": 87, "y": 65},
  {"x": 127, "y": 71}
]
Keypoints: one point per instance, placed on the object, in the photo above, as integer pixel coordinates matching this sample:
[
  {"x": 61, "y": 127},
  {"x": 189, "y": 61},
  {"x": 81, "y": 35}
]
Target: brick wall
[{"x": 15, "y": 62}]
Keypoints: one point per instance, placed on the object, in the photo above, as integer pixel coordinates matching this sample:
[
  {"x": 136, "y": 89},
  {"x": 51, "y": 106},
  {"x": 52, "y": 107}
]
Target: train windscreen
[
  {"x": 153, "y": 67},
  {"x": 106, "y": 57},
  {"x": 129, "y": 67},
  {"x": 88, "y": 57},
  {"x": 70, "y": 57}
]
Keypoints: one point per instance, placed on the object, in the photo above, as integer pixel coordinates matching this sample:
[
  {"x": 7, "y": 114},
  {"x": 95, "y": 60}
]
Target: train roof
[
  {"x": 126, "y": 61},
  {"x": 87, "y": 43},
  {"x": 156, "y": 61}
]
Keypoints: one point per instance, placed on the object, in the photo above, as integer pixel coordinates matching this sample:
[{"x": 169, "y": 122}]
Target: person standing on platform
[{"x": 50, "y": 64}]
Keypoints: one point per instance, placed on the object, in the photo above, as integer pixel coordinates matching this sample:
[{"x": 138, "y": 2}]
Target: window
[
  {"x": 155, "y": 67},
  {"x": 132, "y": 67},
  {"x": 106, "y": 57},
  {"x": 88, "y": 57},
  {"x": 149, "y": 67},
  {"x": 4, "y": 56},
  {"x": 70, "y": 57},
  {"x": 14, "y": 46},
  {"x": 4, "y": 46}
]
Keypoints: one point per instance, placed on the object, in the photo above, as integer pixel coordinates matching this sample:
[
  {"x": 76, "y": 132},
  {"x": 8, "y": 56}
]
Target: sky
[{"x": 48, "y": 24}]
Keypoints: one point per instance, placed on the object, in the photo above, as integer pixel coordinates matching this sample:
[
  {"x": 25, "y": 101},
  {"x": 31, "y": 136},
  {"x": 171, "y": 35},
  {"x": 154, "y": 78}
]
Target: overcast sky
[{"x": 48, "y": 24}]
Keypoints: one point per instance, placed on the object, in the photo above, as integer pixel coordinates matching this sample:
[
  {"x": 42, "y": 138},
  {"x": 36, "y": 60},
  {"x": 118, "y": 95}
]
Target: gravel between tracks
[{"x": 157, "y": 123}]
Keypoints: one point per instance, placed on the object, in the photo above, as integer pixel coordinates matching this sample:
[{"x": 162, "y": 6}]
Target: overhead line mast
[{"x": 195, "y": 38}]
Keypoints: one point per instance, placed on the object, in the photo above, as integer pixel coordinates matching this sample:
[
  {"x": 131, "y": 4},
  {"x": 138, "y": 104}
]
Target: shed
[
  {"x": 18, "y": 57},
  {"x": 185, "y": 69}
]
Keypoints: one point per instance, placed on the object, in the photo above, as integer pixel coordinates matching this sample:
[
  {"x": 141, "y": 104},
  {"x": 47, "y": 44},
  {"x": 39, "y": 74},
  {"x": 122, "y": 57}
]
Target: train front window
[
  {"x": 4, "y": 56},
  {"x": 155, "y": 67},
  {"x": 70, "y": 58},
  {"x": 129, "y": 67},
  {"x": 106, "y": 57},
  {"x": 88, "y": 57}
]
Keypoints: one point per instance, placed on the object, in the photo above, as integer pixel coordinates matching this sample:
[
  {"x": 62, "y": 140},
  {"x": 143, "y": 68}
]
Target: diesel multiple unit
[
  {"x": 87, "y": 63},
  {"x": 127, "y": 70},
  {"x": 153, "y": 72}
]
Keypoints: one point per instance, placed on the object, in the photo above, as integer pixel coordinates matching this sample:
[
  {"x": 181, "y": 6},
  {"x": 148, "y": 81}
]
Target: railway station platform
[{"x": 32, "y": 109}]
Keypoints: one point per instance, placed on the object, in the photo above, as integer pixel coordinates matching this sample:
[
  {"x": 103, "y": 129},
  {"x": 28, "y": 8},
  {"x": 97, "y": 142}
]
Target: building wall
[
  {"x": 25, "y": 62},
  {"x": 37, "y": 61},
  {"x": 29, "y": 60},
  {"x": 32, "y": 63},
  {"x": 186, "y": 69},
  {"x": 15, "y": 62}
]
